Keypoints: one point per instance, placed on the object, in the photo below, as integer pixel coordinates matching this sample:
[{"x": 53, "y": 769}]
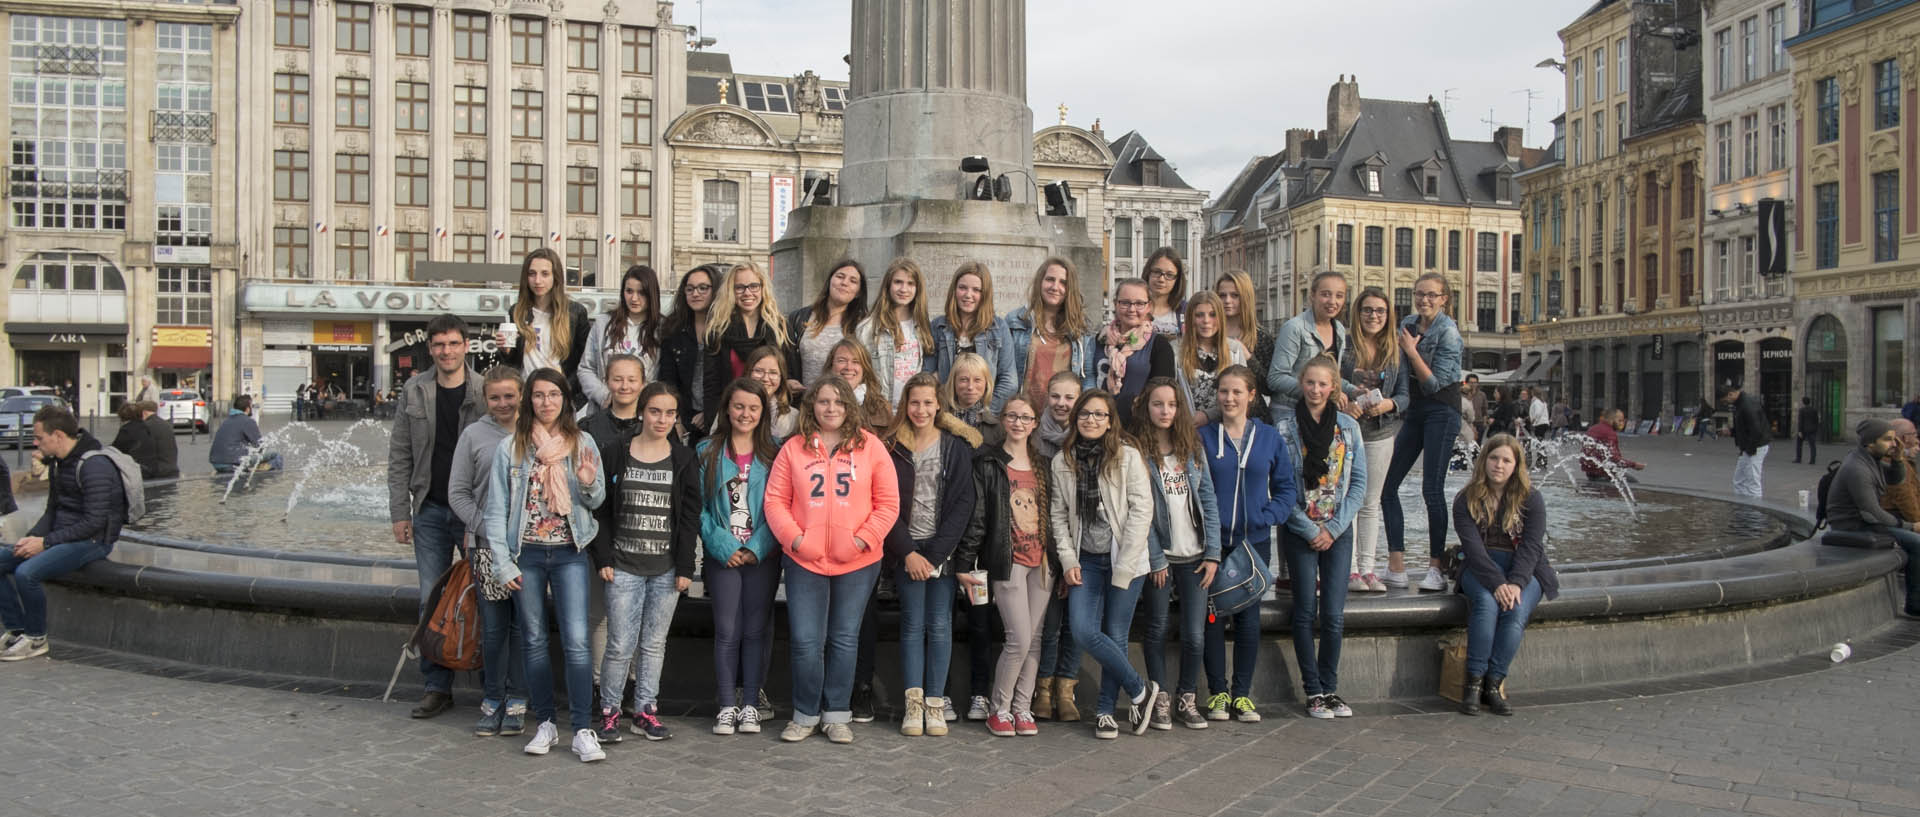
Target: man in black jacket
[
  {"x": 1750, "y": 435},
  {"x": 1807, "y": 430},
  {"x": 166, "y": 450},
  {"x": 85, "y": 507},
  {"x": 1854, "y": 497}
]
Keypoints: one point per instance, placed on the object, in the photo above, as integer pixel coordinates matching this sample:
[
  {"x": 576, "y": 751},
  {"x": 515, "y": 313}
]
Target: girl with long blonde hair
[
  {"x": 1205, "y": 350},
  {"x": 896, "y": 331},
  {"x": 1242, "y": 322},
  {"x": 744, "y": 317},
  {"x": 1050, "y": 333}
]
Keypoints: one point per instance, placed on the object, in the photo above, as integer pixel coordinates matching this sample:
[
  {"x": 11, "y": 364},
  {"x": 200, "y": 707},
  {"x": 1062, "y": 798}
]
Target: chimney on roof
[
  {"x": 1508, "y": 138},
  {"x": 1297, "y": 139},
  {"x": 1096, "y": 127},
  {"x": 1343, "y": 107}
]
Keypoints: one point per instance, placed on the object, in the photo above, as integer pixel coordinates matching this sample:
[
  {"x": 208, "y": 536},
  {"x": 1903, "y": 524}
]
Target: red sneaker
[
  {"x": 1001, "y": 725},
  {"x": 1024, "y": 725}
]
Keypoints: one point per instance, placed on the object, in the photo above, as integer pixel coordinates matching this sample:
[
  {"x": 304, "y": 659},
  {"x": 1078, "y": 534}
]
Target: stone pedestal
[{"x": 1010, "y": 238}]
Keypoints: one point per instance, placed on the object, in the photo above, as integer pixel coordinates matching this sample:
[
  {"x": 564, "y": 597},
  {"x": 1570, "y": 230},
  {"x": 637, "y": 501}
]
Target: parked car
[
  {"x": 183, "y": 408},
  {"x": 22, "y": 391},
  {"x": 16, "y": 416}
]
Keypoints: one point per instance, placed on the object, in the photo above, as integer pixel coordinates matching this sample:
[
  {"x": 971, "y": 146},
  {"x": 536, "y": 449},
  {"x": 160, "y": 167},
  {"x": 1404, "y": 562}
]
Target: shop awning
[
  {"x": 180, "y": 357},
  {"x": 1538, "y": 366}
]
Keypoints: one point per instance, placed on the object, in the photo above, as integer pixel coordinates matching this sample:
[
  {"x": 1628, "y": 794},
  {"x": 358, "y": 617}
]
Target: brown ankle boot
[
  {"x": 1064, "y": 707},
  {"x": 1043, "y": 698}
]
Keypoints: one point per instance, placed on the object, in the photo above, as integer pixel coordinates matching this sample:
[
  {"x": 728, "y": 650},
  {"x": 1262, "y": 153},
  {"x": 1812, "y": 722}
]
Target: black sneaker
[
  {"x": 1140, "y": 715},
  {"x": 647, "y": 722},
  {"x": 607, "y": 726},
  {"x": 863, "y": 704}
]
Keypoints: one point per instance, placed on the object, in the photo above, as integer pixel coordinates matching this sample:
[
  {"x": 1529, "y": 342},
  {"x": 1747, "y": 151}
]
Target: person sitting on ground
[
  {"x": 135, "y": 439},
  {"x": 1903, "y": 497},
  {"x": 86, "y": 505},
  {"x": 237, "y": 438},
  {"x": 1853, "y": 498},
  {"x": 1605, "y": 448},
  {"x": 166, "y": 450}
]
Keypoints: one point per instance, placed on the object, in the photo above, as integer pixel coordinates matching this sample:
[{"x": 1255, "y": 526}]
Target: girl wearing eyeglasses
[
  {"x": 1380, "y": 379},
  {"x": 745, "y": 317},
  {"x": 1102, "y": 516},
  {"x": 1167, "y": 280},
  {"x": 1017, "y": 554},
  {"x": 683, "y": 341},
  {"x": 1134, "y": 350},
  {"x": 1431, "y": 347}
]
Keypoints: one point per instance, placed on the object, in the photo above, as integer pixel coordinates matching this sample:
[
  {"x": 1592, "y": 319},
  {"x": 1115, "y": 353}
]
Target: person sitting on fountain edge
[
  {"x": 1853, "y": 499},
  {"x": 1605, "y": 448},
  {"x": 166, "y": 450},
  {"x": 86, "y": 504},
  {"x": 236, "y": 439},
  {"x": 1903, "y": 498}
]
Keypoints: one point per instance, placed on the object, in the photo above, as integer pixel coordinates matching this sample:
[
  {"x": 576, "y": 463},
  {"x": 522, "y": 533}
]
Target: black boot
[
  {"x": 1470, "y": 696},
  {"x": 1494, "y": 697}
]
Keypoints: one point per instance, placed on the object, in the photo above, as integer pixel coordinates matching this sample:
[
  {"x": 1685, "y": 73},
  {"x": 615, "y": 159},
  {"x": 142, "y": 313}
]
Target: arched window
[{"x": 61, "y": 270}]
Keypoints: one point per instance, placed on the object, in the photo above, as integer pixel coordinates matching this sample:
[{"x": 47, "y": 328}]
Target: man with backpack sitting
[
  {"x": 1853, "y": 497},
  {"x": 86, "y": 505}
]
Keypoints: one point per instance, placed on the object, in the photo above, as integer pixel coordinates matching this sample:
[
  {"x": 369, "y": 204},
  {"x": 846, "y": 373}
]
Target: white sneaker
[
  {"x": 24, "y": 647},
  {"x": 1433, "y": 580},
  {"x": 545, "y": 737},
  {"x": 977, "y": 709},
  {"x": 1396, "y": 578},
  {"x": 723, "y": 723},
  {"x": 749, "y": 721},
  {"x": 587, "y": 745},
  {"x": 949, "y": 715},
  {"x": 1356, "y": 584}
]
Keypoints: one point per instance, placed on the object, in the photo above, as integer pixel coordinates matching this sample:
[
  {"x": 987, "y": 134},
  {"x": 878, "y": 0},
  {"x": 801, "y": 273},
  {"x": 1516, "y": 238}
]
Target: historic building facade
[
  {"x": 119, "y": 237},
  {"x": 1148, "y": 206},
  {"x": 1625, "y": 212},
  {"x": 1856, "y": 262},
  {"x": 1746, "y": 307},
  {"x": 384, "y": 138},
  {"x": 1383, "y": 195}
]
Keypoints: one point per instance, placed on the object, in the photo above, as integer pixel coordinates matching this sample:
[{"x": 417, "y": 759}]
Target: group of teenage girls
[{"x": 1036, "y": 465}]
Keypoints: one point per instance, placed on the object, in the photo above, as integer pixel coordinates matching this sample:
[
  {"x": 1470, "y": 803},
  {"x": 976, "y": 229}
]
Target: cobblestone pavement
[{"x": 85, "y": 740}]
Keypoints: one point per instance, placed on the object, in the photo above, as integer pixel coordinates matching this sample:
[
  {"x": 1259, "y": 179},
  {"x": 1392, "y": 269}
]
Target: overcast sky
[{"x": 1212, "y": 83}]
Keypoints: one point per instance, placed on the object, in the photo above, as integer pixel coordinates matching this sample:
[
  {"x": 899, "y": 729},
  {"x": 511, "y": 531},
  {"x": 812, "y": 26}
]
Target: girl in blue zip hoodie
[
  {"x": 1327, "y": 453},
  {"x": 1254, "y": 488},
  {"x": 742, "y": 558}
]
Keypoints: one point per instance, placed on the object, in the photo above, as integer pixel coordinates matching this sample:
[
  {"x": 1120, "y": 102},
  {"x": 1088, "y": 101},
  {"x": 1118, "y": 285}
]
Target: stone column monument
[{"x": 933, "y": 82}]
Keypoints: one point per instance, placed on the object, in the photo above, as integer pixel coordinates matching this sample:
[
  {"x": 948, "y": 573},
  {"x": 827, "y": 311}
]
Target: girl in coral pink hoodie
[{"x": 831, "y": 498}]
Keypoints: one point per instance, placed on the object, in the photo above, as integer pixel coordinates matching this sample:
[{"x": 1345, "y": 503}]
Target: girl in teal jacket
[{"x": 743, "y": 560}]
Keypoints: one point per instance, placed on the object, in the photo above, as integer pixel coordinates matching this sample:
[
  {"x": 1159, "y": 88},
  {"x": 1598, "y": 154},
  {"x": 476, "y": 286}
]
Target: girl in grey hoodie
[{"x": 503, "y": 705}]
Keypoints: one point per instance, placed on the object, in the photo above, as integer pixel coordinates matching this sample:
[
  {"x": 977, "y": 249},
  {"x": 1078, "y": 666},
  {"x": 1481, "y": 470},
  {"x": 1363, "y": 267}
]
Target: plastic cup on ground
[{"x": 1840, "y": 652}]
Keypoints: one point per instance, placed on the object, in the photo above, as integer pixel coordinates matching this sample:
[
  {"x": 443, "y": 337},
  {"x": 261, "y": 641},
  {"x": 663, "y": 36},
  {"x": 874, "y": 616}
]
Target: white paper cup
[
  {"x": 1840, "y": 652},
  {"x": 510, "y": 332},
  {"x": 1805, "y": 497},
  {"x": 977, "y": 594}
]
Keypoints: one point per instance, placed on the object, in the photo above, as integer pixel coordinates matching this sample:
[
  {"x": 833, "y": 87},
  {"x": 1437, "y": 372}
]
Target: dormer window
[
  {"x": 1502, "y": 178},
  {"x": 1426, "y": 175},
  {"x": 1149, "y": 173},
  {"x": 1430, "y": 184},
  {"x": 1370, "y": 170}
]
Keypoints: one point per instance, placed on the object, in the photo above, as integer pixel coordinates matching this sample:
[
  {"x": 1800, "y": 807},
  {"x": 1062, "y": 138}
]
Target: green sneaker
[
  {"x": 1217, "y": 707},
  {"x": 1244, "y": 710}
]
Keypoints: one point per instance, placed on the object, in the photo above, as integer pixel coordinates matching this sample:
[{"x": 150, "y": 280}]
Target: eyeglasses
[
  {"x": 1022, "y": 419},
  {"x": 745, "y": 288},
  {"x": 1429, "y": 296},
  {"x": 1094, "y": 414},
  {"x": 1163, "y": 274},
  {"x": 1130, "y": 304},
  {"x": 697, "y": 289},
  {"x": 1373, "y": 310}
]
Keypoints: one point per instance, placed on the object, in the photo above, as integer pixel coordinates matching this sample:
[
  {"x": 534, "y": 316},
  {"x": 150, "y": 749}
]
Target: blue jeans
[
  {"x": 1909, "y": 542},
  {"x": 503, "y": 660},
  {"x": 565, "y": 570},
  {"x": 436, "y": 535},
  {"x": 1100, "y": 615},
  {"x": 1493, "y": 634},
  {"x": 1427, "y": 435},
  {"x": 639, "y": 608},
  {"x": 23, "y": 599},
  {"x": 823, "y": 614},
  {"x": 1319, "y": 668},
  {"x": 1246, "y": 642},
  {"x": 1059, "y": 655},
  {"x": 1183, "y": 578},
  {"x": 742, "y": 605},
  {"x": 926, "y": 631}
]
